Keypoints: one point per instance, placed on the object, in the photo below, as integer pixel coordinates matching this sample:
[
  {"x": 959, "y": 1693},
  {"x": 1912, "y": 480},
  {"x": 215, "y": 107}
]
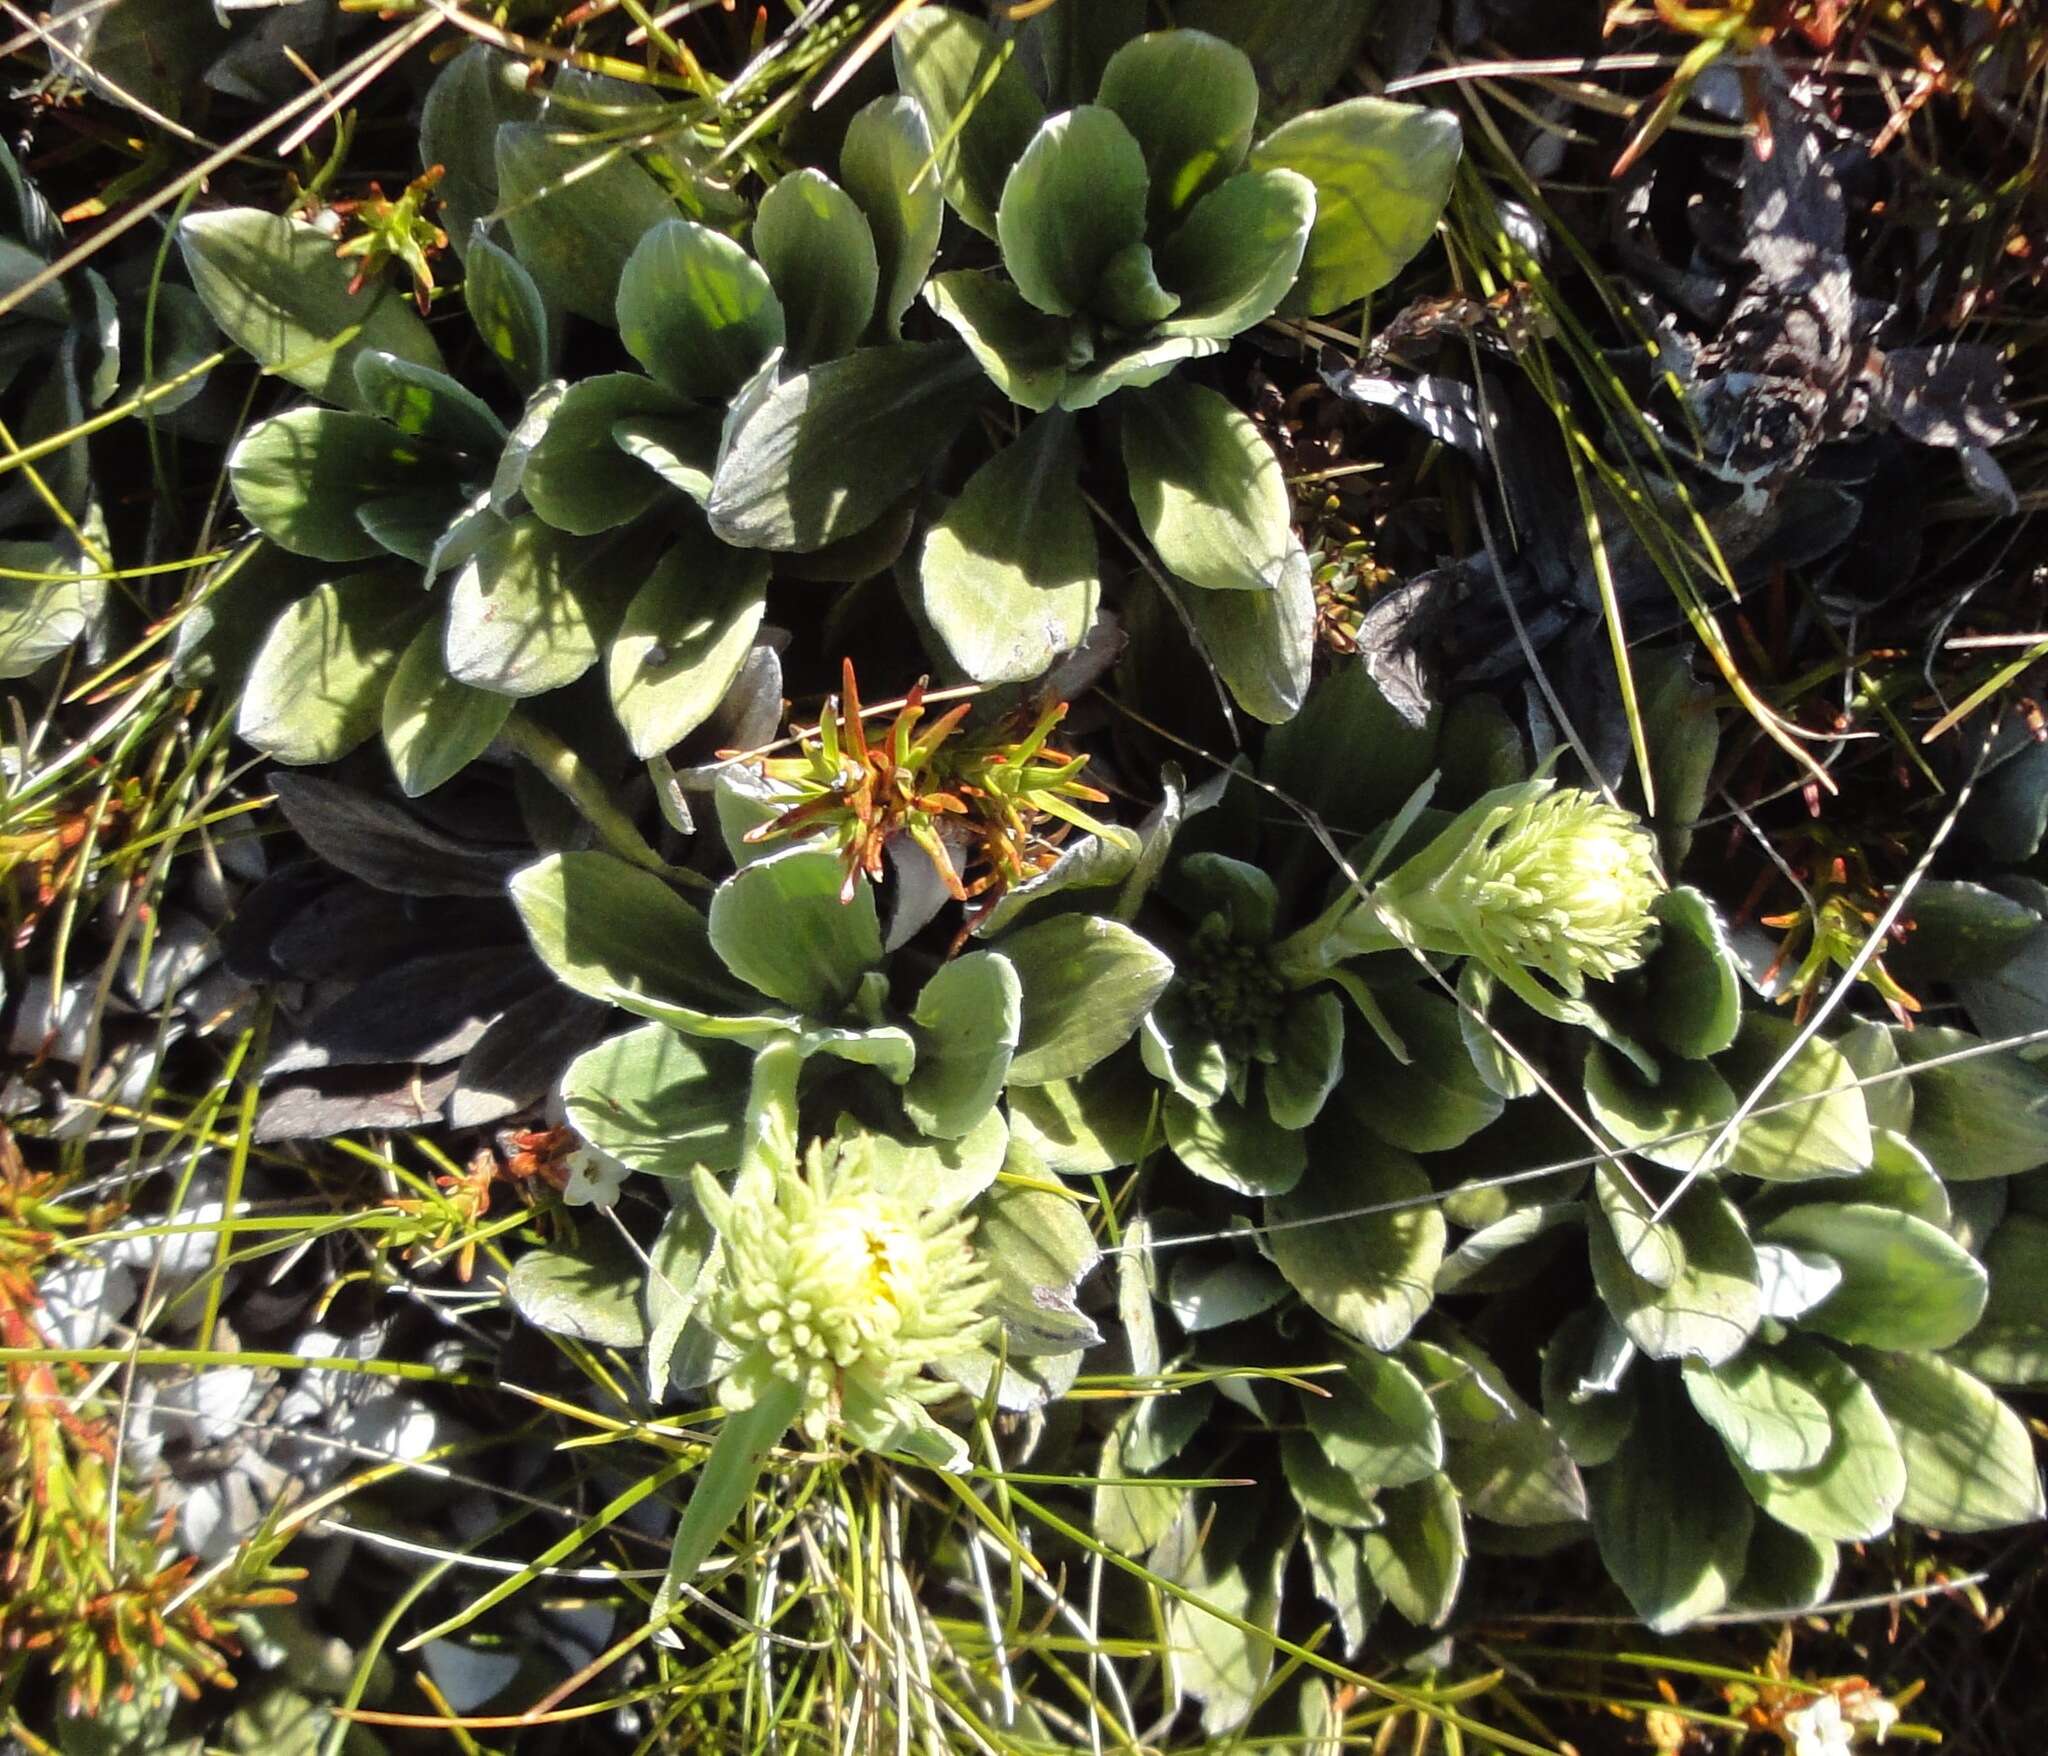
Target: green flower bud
[
  {"x": 1532, "y": 877},
  {"x": 843, "y": 1290}
]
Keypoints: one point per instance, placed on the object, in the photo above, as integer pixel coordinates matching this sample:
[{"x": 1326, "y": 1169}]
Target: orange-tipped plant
[{"x": 1005, "y": 801}]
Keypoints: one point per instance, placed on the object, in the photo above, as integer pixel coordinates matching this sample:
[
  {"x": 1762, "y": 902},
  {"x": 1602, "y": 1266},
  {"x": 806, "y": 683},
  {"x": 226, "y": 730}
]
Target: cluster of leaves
[{"x": 1465, "y": 1236}]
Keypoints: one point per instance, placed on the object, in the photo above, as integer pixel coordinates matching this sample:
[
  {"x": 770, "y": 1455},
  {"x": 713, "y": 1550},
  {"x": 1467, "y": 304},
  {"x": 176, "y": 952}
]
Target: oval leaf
[
  {"x": 781, "y": 927},
  {"x": 1207, "y": 488},
  {"x": 696, "y": 311},
  {"x": 967, "y": 1017},
  {"x": 1087, "y": 981},
  {"x": 1009, "y": 573},
  {"x": 820, "y": 257},
  {"x": 1360, "y": 1240},
  {"x": 684, "y": 637},
  {"x": 1382, "y": 173},
  {"x": 316, "y": 688},
  {"x": 434, "y": 726}
]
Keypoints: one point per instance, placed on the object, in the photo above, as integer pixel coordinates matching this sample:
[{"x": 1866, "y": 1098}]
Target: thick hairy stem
[
  {"x": 770, "y": 1143},
  {"x": 565, "y": 770}
]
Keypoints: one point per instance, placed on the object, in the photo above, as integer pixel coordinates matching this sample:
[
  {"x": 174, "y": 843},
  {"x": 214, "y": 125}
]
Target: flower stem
[
  {"x": 770, "y": 1143},
  {"x": 567, "y": 772}
]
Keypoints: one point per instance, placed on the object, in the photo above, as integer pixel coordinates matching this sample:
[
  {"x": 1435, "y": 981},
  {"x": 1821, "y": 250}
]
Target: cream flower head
[
  {"x": 845, "y": 1290},
  {"x": 1533, "y": 876}
]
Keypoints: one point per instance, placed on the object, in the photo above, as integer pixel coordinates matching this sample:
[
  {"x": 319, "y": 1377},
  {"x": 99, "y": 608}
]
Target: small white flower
[
  {"x": 595, "y": 1178},
  {"x": 1818, "y": 1729}
]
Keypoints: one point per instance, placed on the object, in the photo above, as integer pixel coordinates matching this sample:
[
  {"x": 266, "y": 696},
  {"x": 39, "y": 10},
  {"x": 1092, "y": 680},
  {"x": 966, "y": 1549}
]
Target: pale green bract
[
  {"x": 844, "y": 1291},
  {"x": 1532, "y": 876}
]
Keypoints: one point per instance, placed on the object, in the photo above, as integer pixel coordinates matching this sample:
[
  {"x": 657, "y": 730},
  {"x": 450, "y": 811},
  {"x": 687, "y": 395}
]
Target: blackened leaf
[
  {"x": 352, "y": 1098},
  {"x": 1445, "y": 409},
  {"x": 384, "y": 845},
  {"x": 1950, "y": 395},
  {"x": 516, "y": 1062},
  {"x": 429, "y": 1010}
]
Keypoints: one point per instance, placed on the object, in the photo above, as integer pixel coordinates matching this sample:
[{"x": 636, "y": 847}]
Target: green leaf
[
  {"x": 2010, "y": 1343},
  {"x": 685, "y": 635},
  {"x": 576, "y": 209},
  {"x": 1037, "y": 1249},
  {"x": 592, "y": 1295},
  {"x": 1300, "y": 48},
  {"x": 680, "y": 449},
  {"x": 1087, "y": 1126},
  {"x": 1337, "y": 1564},
  {"x": 1207, "y": 488},
  {"x": 1905, "y": 1283},
  {"x": 1360, "y": 1240},
  {"x": 1133, "y": 368},
  {"x": 1416, "y": 1554},
  {"x": 967, "y": 1018},
  {"x": 1308, "y": 1059},
  {"x": 781, "y": 927},
  {"x": 1591, "y": 1421},
  {"x": 316, "y": 688},
  {"x": 1321, "y": 1489},
  {"x": 481, "y": 88},
  {"x": 1986, "y": 1116},
  {"x": 1671, "y": 1516},
  {"x": 1128, "y": 295},
  {"x": 1712, "y": 1305},
  {"x": 1237, "y": 1147},
  {"x": 575, "y": 477},
  {"x": 823, "y": 453},
  {"x": 506, "y": 308},
  {"x": 617, "y": 933},
  {"x": 1087, "y": 982},
  {"x": 1811, "y": 1121},
  {"x": 1765, "y": 1414},
  {"x": 1872, "y": 1051},
  {"x": 696, "y": 311},
  {"x": 819, "y": 255},
  {"x": 1969, "y": 1459},
  {"x": 1852, "y": 1494},
  {"x": 1382, "y": 173},
  {"x": 519, "y": 613},
  {"x": 659, "y": 1102},
  {"x": 745, "y": 1438},
  {"x": 1189, "y": 99},
  {"x": 1214, "y": 1660},
  {"x": 1130, "y": 1517},
  {"x": 279, "y": 292},
  {"x": 1026, "y": 353},
  {"x": 1695, "y": 993},
  {"x": 887, "y": 145},
  {"x": 1350, "y": 712},
  {"x": 1437, "y": 1100},
  {"x": 426, "y": 404},
  {"x": 1072, "y": 202},
  {"x": 977, "y": 100},
  {"x": 1262, "y": 643},
  {"x": 1377, "y": 1424},
  {"x": 434, "y": 726},
  {"x": 299, "y": 477},
  {"x": 1674, "y": 1122},
  {"x": 1235, "y": 255},
  {"x": 1787, "y": 1571},
  {"x": 39, "y": 621},
  {"x": 1650, "y": 1248},
  {"x": 1009, "y": 572},
  {"x": 1507, "y": 1462},
  {"x": 938, "y": 1173}
]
